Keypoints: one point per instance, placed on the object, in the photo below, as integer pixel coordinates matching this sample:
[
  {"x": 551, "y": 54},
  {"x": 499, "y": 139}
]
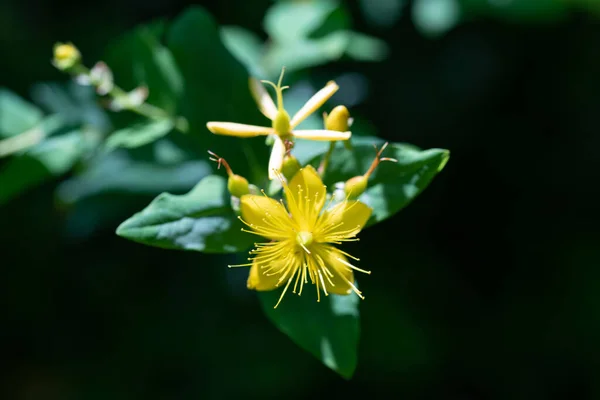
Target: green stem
[
  {"x": 325, "y": 161},
  {"x": 144, "y": 109}
]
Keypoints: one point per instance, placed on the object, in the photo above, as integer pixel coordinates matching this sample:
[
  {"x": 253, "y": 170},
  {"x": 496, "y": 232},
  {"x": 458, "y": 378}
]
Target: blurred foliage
[{"x": 483, "y": 288}]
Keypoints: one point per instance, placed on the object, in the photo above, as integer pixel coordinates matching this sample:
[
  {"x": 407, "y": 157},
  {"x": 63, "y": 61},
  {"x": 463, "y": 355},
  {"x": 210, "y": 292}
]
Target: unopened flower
[
  {"x": 302, "y": 237},
  {"x": 282, "y": 126},
  {"x": 355, "y": 186},
  {"x": 236, "y": 184},
  {"x": 66, "y": 56}
]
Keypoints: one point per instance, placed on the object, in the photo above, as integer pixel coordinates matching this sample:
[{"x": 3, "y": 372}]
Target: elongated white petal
[
  {"x": 240, "y": 130},
  {"x": 276, "y": 159},
  {"x": 321, "y": 134},
  {"x": 314, "y": 103},
  {"x": 263, "y": 100}
]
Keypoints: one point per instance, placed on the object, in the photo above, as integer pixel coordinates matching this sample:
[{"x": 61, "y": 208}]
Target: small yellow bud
[
  {"x": 65, "y": 56},
  {"x": 338, "y": 119},
  {"x": 290, "y": 167},
  {"x": 237, "y": 185},
  {"x": 356, "y": 186}
]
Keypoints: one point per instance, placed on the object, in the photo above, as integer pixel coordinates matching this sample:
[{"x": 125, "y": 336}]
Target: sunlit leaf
[
  {"x": 201, "y": 220},
  {"x": 394, "y": 184}
]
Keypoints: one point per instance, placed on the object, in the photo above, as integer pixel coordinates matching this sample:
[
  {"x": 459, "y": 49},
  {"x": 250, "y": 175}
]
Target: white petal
[
  {"x": 321, "y": 134},
  {"x": 240, "y": 130},
  {"x": 314, "y": 103},
  {"x": 276, "y": 159},
  {"x": 263, "y": 100}
]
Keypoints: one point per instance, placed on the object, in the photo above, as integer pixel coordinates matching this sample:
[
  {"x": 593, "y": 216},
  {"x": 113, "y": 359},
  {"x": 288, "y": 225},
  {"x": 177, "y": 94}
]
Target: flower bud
[
  {"x": 356, "y": 186},
  {"x": 338, "y": 119},
  {"x": 290, "y": 167},
  {"x": 65, "y": 56},
  {"x": 237, "y": 185}
]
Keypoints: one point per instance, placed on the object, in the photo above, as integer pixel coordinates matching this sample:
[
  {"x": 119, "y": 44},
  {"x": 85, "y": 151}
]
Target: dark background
[{"x": 486, "y": 287}]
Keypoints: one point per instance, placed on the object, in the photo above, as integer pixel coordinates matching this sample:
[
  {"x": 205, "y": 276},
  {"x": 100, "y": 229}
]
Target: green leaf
[
  {"x": 16, "y": 114},
  {"x": 393, "y": 185},
  {"x": 306, "y": 53},
  {"x": 366, "y": 48},
  {"x": 329, "y": 329},
  {"x": 139, "y": 134},
  {"x": 216, "y": 89},
  {"x": 52, "y": 157},
  {"x": 246, "y": 46},
  {"x": 294, "y": 21},
  {"x": 75, "y": 103},
  {"x": 201, "y": 220},
  {"x": 138, "y": 58},
  {"x": 148, "y": 170}
]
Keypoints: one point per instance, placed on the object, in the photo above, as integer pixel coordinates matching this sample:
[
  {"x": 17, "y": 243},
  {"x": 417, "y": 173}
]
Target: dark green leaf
[
  {"x": 329, "y": 330},
  {"x": 139, "y": 134},
  {"x": 246, "y": 46},
  {"x": 201, "y": 220},
  {"x": 216, "y": 89},
  {"x": 139, "y": 58},
  {"x": 393, "y": 185},
  {"x": 16, "y": 114}
]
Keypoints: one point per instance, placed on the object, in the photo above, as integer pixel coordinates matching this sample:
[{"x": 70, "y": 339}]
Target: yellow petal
[
  {"x": 263, "y": 100},
  {"x": 266, "y": 217},
  {"x": 240, "y": 130},
  {"x": 321, "y": 134},
  {"x": 314, "y": 103},
  {"x": 344, "y": 220},
  {"x": 257, "y": 280},
  {"x": 276, "y": 159},
  {"x": 342, "y": 274},
  {"x": 305, "y": 195}
]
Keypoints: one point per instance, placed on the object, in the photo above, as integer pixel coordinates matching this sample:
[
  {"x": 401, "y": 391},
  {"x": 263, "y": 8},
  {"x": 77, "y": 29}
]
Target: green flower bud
[
  {"x": 290, "y": 167},
  {"x": 356, "y": 186},
  {"x": 237, "y": 185},
  {"x": 338, "y": 119},
  {"x": 65, "y": 56}
]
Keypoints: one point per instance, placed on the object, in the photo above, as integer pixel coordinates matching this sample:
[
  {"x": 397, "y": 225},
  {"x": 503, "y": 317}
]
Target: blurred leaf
[
  {"x": 139, "y": 134},
  {"x": 16, "y": 114},
  {"x": 435, "y": 17},
  {"x": 76, "y": 104},
  {"x": 329, "y": 329},
  {"x": 382, "y": 12},
  {"x": 201, "y": 220},
  {"x": 52, "y": 157},
  {"x": 149, "y": 170},
  {"x": 139, "y": 58},
  {"x": 293, "y": 21},
  {"x": 366, "y": 48},
  {"x": 393, "y": 185},
  {"x": 216, "y": 89},
  {"x": 245, "y": 46},
  {"x": 306, "y": 53}
]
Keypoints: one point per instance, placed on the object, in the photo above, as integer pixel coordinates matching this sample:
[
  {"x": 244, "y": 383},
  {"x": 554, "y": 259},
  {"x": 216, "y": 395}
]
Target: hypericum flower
[
  {"x": 282, "y": 127},
  {"x": 303, "y": 238}
]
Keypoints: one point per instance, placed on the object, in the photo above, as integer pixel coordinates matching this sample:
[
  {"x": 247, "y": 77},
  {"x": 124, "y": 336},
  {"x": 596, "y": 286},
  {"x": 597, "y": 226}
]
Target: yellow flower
[
  {"x": 303, "y": 238},
  {"x": 282, "y": 127}
]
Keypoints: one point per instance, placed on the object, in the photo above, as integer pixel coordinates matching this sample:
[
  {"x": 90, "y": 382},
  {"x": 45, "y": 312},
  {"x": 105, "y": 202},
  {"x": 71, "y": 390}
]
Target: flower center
[{"x": 304, "y": 238}]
